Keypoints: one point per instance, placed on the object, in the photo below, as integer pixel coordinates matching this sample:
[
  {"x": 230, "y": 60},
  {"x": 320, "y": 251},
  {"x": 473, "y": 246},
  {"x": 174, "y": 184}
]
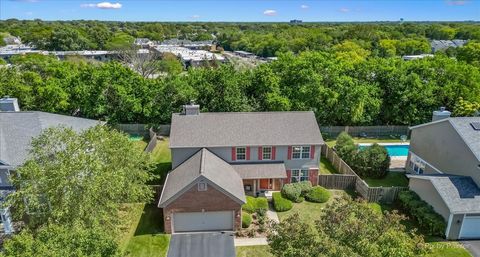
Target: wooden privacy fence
[
  {"x": 369, "y": 131},
  {"x": 350, "y": 180}
]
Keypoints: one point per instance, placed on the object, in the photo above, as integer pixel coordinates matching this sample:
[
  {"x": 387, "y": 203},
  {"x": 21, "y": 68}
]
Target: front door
[{"x": 265, "y": 184}]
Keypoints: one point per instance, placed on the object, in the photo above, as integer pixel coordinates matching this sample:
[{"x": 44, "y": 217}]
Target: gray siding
[
  {"x": 441, "y": 146},
  {"x": 179, "y": 155},
  {"x": 455, "y": 226},
  {"x": 428, "y": 193}
]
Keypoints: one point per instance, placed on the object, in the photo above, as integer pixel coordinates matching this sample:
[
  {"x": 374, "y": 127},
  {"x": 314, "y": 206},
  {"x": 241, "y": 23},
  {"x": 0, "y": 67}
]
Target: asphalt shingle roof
[
  {"x": 202, "y": 165},
  {"x": 18, "y": 128},
  {"x": 260, "y": 170},
  {"x": 244, "y": 128},
  {"x": 459, "y": 193}
]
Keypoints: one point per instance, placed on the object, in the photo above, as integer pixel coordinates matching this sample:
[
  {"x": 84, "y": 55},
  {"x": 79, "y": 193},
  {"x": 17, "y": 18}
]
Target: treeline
[
  {"x": 264, "y": 39},
  {"x": 340, "y": 91}
]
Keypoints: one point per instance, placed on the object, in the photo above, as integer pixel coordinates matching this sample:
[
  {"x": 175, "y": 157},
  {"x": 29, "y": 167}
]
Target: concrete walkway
[
  {"x": 271, "y": 213},
  {"x": 250, "y": 241}
]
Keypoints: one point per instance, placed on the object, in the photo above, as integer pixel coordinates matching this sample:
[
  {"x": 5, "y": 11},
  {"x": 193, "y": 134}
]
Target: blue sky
[{"x": 242, "y": 10}]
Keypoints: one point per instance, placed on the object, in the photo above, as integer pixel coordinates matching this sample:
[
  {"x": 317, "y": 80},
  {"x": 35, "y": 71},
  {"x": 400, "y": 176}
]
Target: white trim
[
  {"x": 450, "y": 218},
  {"x": 299, "y": 177},
  {"x": 412, "y": 154},
  {"x": 271, "y": 152},
  {"x": 236, "y": 153},
  {"x": 302, "y": 152},
  {"x": 461, "y": 227}
]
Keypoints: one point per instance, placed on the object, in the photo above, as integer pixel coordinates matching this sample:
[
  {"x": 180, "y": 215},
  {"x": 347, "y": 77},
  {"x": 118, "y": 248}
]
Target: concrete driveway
[
  {"x": 202, "y": 245},
  {"x": 473, "y": 247}
]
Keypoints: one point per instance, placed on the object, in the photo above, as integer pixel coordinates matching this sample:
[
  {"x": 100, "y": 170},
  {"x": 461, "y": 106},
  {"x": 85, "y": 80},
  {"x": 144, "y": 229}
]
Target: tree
[
  {"x": 470, "y": 53},
  {"x": 145, "y": 62},
  {"x": 371, "y": 162},
  {"x": 346, "y": 228},
  {"x": 466, "y": 108},
  {"x": 67, "y": 39},
  {"x": 79, "y": 178},
  {"x": 61, "y": 240},
  {"x": 119, "y": 41}
]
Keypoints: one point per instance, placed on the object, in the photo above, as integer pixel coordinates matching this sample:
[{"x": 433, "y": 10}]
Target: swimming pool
[{"x": 393, "y": 150}]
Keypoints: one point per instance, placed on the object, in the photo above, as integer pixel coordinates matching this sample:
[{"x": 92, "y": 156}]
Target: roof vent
[
  {"x": 191, "y": 109},
  {"x": 442, "y": 113},
  {"x": 8, "y": 104}
]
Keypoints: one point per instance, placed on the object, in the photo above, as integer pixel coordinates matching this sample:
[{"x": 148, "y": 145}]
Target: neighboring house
[
  {"x": 440, "y": 45},
  {"x": 17, "y": 128},
  {"x": 217, "y": 158},
  {"x": 444, "y": 161}
]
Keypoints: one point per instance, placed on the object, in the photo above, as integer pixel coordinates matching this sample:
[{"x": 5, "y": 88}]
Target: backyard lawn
[
  {"x": 326, "y": 166},
  {"x": 256, "y": 251},
  {"x": 142, "y": 231},
  {"x": 392, "y": 179}
]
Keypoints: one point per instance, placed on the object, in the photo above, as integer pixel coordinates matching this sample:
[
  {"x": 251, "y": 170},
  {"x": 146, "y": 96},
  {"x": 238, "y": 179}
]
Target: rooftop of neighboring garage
[{"x": 459, "y": 193}]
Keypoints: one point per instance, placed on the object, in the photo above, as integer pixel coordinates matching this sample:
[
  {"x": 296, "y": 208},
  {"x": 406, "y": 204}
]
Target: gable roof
[
  {"x": 244, "y": 129},
  {"x": 203, "y": 165},
  {"x": 18, "y": 128},
  {"x": 462, "y": 125},
  {"x": 459, "y": 193}
]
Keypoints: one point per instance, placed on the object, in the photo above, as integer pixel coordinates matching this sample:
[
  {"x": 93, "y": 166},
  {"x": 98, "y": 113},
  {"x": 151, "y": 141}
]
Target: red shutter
[
  {"x": 289, "y": 177},
  {"x": 289, "y": 157},
  {"x": 234, "y": 154},
  {"x": 248, "y": 153},
  {"x": 260, "y": 153},
  {"x": 273, "y": 152},
  {"x": 312, "y": 152}
]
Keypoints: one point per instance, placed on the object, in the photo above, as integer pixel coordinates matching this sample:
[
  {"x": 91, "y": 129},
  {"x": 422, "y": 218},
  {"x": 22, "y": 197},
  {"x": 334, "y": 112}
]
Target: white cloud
[
  {"x": 456, "y": 2},
  {"x": 29, "y": 13},
  {"x": 103, "y": 5},
  {"x": 304, "y": 6},
  {"x": 195, "y": 16},
  {"x": 344, "y": 9},
  {"x": 270, "y": 12}
]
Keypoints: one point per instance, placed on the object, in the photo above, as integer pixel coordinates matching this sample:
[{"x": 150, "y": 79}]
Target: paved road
[
  {"x": 202, "y": 245},
  {"x": 473, "y": 247}
]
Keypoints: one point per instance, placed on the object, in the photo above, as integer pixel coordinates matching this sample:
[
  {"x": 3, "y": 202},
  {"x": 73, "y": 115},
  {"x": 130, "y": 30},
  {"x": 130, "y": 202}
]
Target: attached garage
[
  {"x": 203, "y": 221},
  {"x": 202, "y": 194},
  {"x": 470, "y": 227}
]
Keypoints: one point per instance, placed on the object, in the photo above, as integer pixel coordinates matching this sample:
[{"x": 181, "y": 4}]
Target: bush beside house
[
  {"x": 281, "y": 204},
  {"x": 255, "y": 204},
  {"x": 296, "y": 191},
  {"x": 370, "y": 162},
  {"x": 318, "y": 194},
  {"x": 246, "y": 220},
  {"x": 430, "y": 221}
]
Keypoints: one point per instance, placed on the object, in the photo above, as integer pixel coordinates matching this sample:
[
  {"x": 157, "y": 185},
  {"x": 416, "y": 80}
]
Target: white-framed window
[
  {"x": 417, "y": 164},
  {"x": 300, "y": 152},
  {"x": 202, "y": 186},
  {"x": 241, "y": 153},
  {"x": 266, "y": 153},
  {"x": 299, "y": 175}
]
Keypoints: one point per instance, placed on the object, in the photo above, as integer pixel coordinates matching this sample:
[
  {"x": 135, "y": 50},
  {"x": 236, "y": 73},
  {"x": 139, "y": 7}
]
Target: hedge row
[
  {"x": 429, "y": 220},
  {"x": 253, "y": 204},
  {"x": 281, "y": 204}
]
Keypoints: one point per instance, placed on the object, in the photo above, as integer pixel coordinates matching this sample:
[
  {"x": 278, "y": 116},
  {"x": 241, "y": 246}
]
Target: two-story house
[
  {"x": 218, "y": 158},
  {"x": 17, "y": 128},
  {"x": 444, "y": 163}
]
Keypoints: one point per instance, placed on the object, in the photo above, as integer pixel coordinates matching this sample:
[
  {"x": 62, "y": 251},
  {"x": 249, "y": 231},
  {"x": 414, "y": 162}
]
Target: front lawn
[
  {"x": 143, "y": 233},
  {"x": 309, "y": 211},
  {"x": 392, "y": 179},
  {"x": 256, "y": 251},
  {"x": 326, "y": 166},
  {"x": 448, "y": 249}
]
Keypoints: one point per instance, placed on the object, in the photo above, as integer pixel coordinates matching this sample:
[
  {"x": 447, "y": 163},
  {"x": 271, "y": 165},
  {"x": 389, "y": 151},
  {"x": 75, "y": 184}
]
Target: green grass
[
  {"x": 326, "y": 166},
  {"x": 309, "y": 211},
  {"x": 392, "y": 179},
  {"x": 256, "y": 251},
  {"x": 162, "y": 159},
  {"x": 448, "y": 249},
  {"x": 359, "y": 140},
  {"x": 146, "y": 236}
]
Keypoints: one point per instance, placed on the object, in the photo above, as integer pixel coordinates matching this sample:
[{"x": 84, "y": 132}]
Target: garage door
[
  {"x": 202, "y": 221},
  {"x": 470, "y": 227}
]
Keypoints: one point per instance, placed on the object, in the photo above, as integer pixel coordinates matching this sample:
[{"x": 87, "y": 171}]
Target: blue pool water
[{"x": 394, "y": 150}]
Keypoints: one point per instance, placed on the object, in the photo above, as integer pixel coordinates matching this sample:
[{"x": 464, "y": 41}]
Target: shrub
[
  {"x": 345, "y": 147},
  {"x": 429, "y": 220},
  {"x": 296, "y": 191},
  {"x": 255, "y": 204},
  {"x": 318, "y": 194},
  {"x": 281, "y": 204},
  {"x": 246, "y": 220},
  {"x": 371, "y": 162}
]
